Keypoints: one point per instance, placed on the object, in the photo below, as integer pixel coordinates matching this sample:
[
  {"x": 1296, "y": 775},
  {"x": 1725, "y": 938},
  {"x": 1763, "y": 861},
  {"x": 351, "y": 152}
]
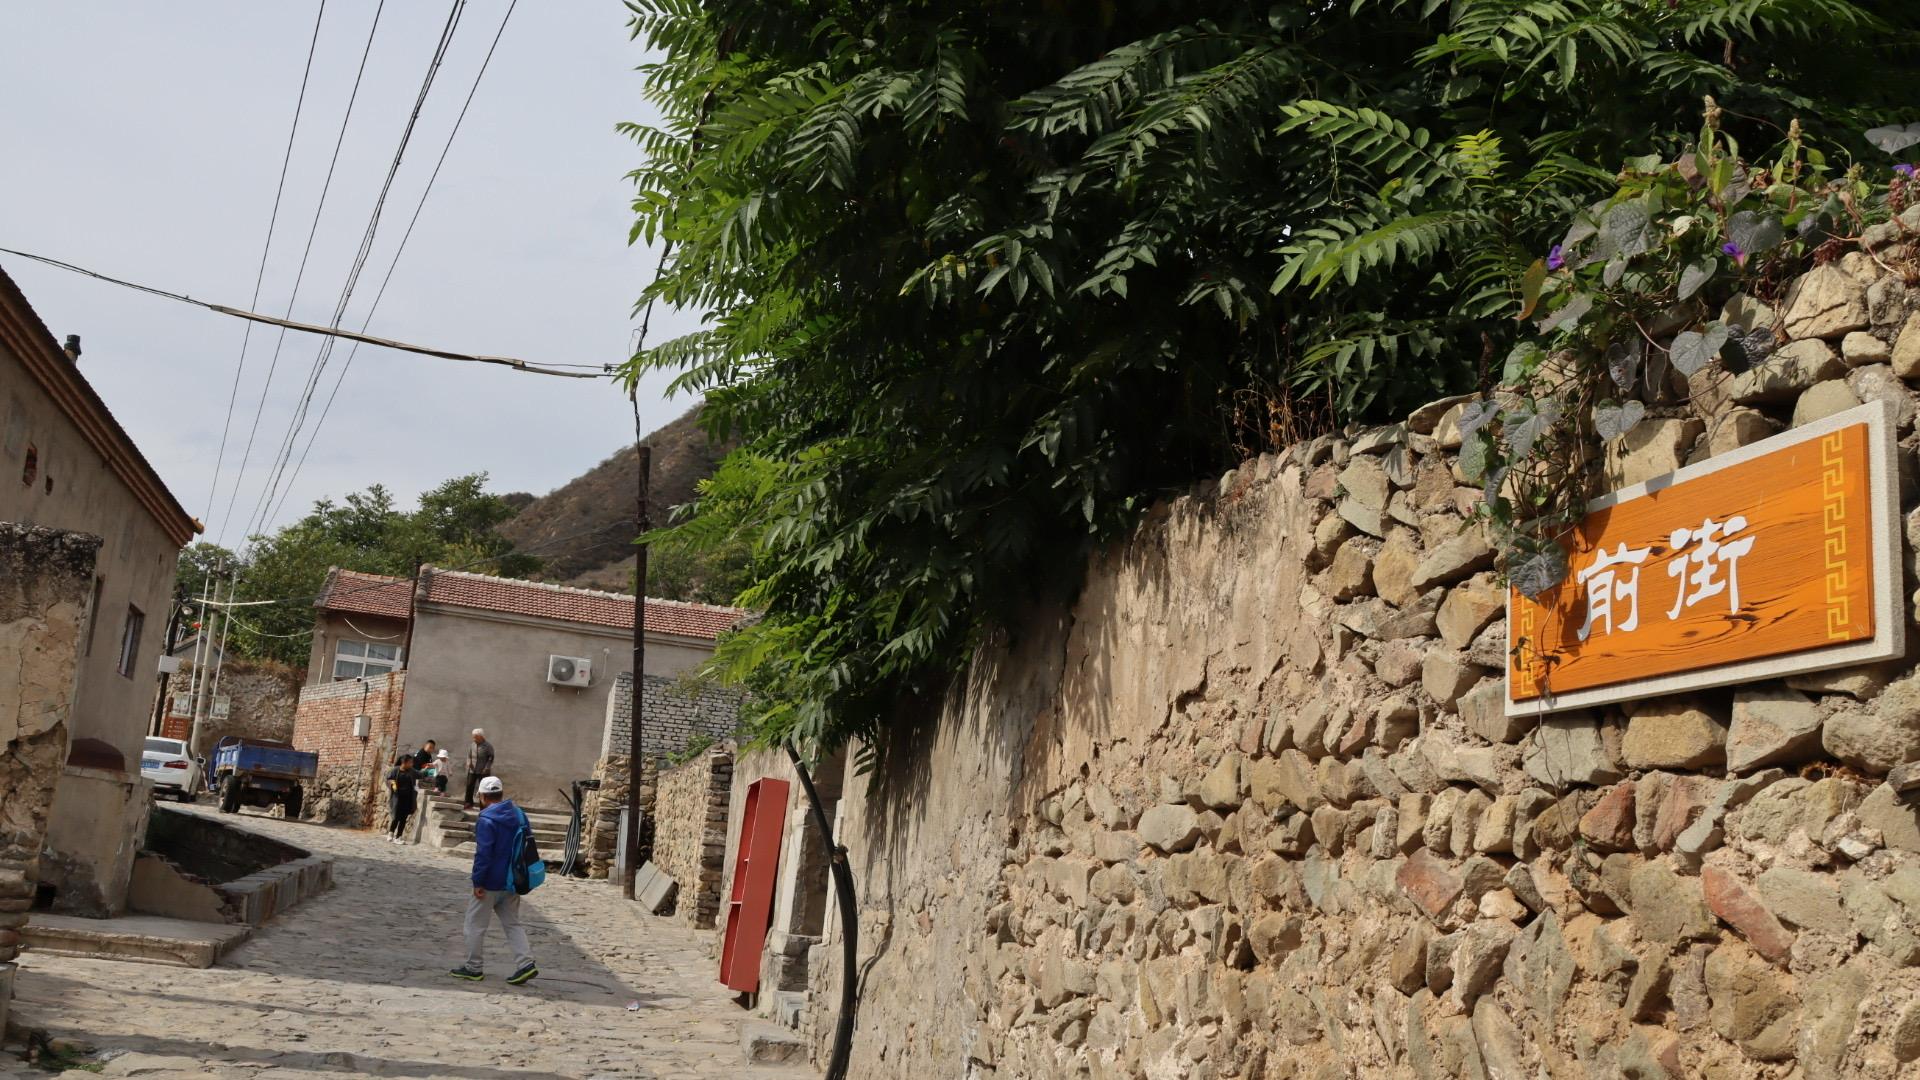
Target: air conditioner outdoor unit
[{"x": 569, "y": 671}]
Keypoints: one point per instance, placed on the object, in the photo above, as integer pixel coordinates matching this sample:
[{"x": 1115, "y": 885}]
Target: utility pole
[
  {"x": 635, "y": 757},
  {"x": 226, "y": 637},
  {"x": 200, "y": 652}
]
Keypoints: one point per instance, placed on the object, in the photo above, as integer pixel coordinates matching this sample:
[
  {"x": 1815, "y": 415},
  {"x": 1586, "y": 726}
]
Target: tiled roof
[
  {"x": 366, "y": 594},
  {"x": 456, "y": 589}
]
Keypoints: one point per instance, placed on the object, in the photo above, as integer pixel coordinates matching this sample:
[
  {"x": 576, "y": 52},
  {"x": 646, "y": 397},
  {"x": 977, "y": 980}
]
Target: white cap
[
  {"x": 441, "y": 754},
  {"x": 479, "y": 732},
  {"x": 490, "y": 785}
]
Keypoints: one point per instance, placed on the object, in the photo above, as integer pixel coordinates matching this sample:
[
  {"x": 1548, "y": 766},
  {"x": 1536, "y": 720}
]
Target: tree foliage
[{"x": 982, "y": 280}]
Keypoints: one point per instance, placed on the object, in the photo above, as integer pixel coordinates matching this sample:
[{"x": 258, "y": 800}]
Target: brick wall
[
  {"x": 690, "y": 836},
  {"x": 676, "y": 713},
  {"x": 347, "y": 787}
]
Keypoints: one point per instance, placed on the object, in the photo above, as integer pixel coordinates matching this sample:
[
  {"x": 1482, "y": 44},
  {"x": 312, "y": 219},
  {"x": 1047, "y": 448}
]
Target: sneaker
[
  {"x": 471, "y": 974},
  {"x": 524, "y": 973}
]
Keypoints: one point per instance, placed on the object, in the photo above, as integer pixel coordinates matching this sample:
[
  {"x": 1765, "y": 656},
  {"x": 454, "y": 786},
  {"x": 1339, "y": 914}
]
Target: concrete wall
[
  {"x": 134, "y": 567},
  {"x": 98, "y": 819},
  {"x": 331, "y": 626},
  {"x": 482, "y": 669},
  {"x": 46, "y": 580},
  {"x": 1250, "y": 807}
]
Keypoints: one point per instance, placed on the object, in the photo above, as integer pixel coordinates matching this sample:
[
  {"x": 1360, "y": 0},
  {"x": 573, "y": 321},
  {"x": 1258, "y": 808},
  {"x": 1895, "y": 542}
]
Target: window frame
[
  {"x": 130, "y": 635},
  {"x": 367, "y": 664}
]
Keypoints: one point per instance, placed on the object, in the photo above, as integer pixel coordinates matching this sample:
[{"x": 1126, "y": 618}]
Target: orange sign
[
  {"x": 1717, "y": 572},
  {"x": 175, "y": 727}
]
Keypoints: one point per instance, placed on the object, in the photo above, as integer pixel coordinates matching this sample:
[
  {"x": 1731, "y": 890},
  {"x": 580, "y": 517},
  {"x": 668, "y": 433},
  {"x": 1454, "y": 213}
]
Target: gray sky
[{"x": 144, "y": 140}]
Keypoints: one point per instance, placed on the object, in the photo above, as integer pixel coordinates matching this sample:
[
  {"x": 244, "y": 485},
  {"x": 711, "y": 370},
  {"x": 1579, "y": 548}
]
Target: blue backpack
[{"x": 525, "y": 872}]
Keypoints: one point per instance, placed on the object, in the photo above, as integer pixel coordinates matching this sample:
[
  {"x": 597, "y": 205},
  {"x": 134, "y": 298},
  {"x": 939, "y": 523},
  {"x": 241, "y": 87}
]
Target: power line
[
  {"x": 587, "y": 371},
  {"x": 240, "y": 365},
  {"x": 226, "y": 518},
  {"x": 324, "y": 354},
  {"x": 327, "y": 409}
]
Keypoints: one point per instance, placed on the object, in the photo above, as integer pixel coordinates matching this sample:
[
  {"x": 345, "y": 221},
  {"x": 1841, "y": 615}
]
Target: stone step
[
  {"x": 770, "y": 1044},
  {"x": 148, "y": 938},
  {"x": 788, "y": 1008}
]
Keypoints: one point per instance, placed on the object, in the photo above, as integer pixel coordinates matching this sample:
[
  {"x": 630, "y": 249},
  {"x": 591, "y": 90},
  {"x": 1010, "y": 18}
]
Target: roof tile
[{"x": 375, "y": 594}]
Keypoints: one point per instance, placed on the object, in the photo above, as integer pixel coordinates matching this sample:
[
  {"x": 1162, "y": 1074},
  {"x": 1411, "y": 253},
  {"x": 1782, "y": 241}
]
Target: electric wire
[
  {"x": 347, "y": 366},
  {"x": 324, "y": 354},
  {"x": 273, "y": 219},
  {"x": 226, "y": 518},
  {"x": 597, "y": 371}
]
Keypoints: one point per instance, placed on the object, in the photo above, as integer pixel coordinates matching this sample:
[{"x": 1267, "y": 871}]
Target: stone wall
[
  {"x": 676, "y": 714},
  {"x": 690, "y": 832},
  {"x": 263, "y": 696},
  {"x": 46, "y": 580},
  {"x": 1250, "y": 807},
  {"x": 348, "y": 787}
]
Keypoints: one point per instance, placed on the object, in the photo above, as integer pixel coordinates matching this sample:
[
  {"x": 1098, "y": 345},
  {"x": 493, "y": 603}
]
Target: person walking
[
  {"x": 402, "y": 796},
  {"x": 493, "y": 894},
  {"x": 479, "y": 765}
]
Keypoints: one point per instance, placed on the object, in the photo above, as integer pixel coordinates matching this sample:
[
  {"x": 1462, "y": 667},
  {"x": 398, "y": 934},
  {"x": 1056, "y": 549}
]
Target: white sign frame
[{"x": 1884, "y": 531}]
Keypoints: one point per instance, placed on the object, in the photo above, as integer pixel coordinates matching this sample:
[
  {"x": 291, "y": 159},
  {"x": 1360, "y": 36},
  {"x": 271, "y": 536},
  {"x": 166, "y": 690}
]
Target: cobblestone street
[{"x": 355, "y": 982}]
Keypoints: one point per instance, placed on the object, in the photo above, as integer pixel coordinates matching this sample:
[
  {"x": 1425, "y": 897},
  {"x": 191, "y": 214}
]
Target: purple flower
[
  {"x": 1733, "y": 249},
  {"x": 1556, "y": 258},
  {"x": 1904, "y": 170}
]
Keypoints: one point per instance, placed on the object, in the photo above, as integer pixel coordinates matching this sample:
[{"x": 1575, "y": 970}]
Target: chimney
[{"x": 73, "y": 347}]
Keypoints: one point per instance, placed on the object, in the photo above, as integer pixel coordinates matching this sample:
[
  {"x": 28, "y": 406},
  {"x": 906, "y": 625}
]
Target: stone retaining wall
[
  {"x": 675, "y": 715},
  {"x": 1251, "y": 807},
  {"x": 46, "y": 581},
  {"x": 262, "y": 698},
  {"x": 690, "y": 834}
]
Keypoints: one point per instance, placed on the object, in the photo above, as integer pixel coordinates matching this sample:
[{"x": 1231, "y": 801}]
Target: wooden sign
[{"x": 1775, "y": 558}]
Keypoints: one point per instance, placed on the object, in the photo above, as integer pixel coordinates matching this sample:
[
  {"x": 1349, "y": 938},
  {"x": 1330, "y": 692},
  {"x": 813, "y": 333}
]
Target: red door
[{"x": 750, "y": 903}]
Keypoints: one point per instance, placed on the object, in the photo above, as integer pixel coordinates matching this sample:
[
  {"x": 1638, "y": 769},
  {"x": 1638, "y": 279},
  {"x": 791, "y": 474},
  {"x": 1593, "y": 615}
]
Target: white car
[{"x": 167, "y": 763}]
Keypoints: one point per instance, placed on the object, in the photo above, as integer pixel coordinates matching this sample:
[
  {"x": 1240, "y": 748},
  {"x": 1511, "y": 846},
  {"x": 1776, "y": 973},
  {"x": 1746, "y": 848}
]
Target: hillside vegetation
[{"x": 583, "y": 530}]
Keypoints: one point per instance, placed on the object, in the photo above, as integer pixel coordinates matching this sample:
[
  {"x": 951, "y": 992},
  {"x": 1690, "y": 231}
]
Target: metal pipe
[{"x": 849, "y": 925}]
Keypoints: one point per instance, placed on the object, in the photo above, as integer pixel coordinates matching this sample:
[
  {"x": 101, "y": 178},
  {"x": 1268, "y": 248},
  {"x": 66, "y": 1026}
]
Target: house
[
  {"x": 531, "y": 663},
  {"x": 67, "y": 464}
]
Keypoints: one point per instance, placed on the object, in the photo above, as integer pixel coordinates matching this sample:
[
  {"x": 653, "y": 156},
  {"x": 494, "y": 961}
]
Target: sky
[{"x": 145, "y": 141}]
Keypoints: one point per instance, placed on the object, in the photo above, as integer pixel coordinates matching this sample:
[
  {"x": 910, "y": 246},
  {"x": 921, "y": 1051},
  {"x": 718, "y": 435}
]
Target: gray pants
[{"x": 505, "y": 904}]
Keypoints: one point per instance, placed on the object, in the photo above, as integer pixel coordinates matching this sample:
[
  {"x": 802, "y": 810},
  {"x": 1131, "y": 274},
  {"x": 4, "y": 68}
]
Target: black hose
[{"x": 849, "y": 926}]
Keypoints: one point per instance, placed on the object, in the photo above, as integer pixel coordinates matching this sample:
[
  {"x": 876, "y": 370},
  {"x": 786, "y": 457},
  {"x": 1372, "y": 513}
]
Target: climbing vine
[{"x": 1632, "y": 314}]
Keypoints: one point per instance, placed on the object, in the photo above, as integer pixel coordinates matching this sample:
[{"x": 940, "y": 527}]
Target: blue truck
[{"x": 260, "y": 772}]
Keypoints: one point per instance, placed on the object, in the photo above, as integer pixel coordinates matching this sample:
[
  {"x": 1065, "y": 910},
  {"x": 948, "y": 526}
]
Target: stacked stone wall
[
  {"x": 263, "y": 696},
  {"x": 46, "y": 581},
  {"x": 690, "y": 833},
  {"x": 677, "y": 713},
  {"x": 1251, "y": 806},
  {"x": 347, "y": 788}
]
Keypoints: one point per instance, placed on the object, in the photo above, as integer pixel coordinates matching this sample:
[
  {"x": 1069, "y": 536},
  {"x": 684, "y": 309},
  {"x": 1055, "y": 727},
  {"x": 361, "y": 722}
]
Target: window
[
  {"x": 355, "y": 659},
  {"x": 93, "y": 612},
  {"x": 130, "y": 640}
]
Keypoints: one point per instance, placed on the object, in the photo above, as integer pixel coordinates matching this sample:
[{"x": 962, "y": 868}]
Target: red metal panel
[{"x": 750, "y": 903}]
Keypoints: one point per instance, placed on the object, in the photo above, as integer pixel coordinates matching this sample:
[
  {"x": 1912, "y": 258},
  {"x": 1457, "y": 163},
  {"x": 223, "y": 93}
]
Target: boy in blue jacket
[{"x": 492, "y": 893}]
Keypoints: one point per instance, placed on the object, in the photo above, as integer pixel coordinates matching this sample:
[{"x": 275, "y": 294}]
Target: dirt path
[{"x": 355, "y": 982}]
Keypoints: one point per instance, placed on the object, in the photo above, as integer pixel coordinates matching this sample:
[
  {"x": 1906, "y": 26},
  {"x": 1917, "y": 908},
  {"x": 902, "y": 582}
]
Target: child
[{"x": 400, "y": 797}]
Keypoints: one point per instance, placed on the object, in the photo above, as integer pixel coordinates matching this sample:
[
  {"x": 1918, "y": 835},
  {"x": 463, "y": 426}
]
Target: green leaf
[
  {"x": 1523, "y": 425},
  {"x": 1473, "y": 457},
  {"x": 1569, "y": 314},
  {"x": 1894, "y": 138},
  {"x": 1755, "y": 232},
  {"x": 1613, "y": 421},
  {"x": 1695, "y": 275},
  {"x": 1694, "y": 349},
  {"x": 1623, "y": 360},
  {"x": 1539, "y": 571}
]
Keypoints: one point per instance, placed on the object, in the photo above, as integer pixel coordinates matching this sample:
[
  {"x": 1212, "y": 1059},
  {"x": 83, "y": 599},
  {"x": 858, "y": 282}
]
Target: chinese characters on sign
[
  {"x": 1772, "y": 552},
  {"x": 1710, "y": 567}
]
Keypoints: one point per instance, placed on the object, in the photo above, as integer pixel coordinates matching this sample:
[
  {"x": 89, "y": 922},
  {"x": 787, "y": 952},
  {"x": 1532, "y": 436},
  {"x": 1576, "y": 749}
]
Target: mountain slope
[{"x": 584, "y": 529}]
